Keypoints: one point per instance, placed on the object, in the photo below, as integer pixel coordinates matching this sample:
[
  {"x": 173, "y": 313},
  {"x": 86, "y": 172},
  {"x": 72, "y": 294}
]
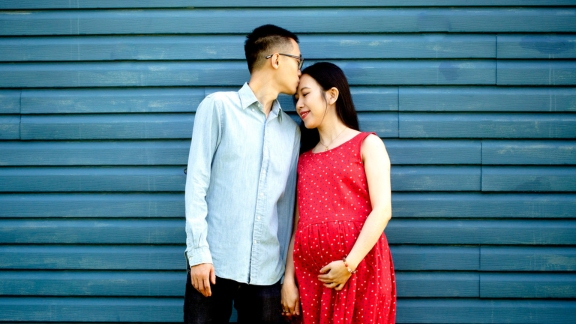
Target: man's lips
[{"x": 304, "y": 114}]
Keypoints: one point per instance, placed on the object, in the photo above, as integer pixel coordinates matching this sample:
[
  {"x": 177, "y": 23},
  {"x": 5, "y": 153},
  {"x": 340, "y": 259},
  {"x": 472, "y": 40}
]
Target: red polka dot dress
[{"x": 334, "y": 203}]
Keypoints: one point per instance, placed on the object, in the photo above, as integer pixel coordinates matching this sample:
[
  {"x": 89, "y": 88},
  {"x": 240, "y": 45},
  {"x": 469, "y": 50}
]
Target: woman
[{"x": 339, "y": 267}]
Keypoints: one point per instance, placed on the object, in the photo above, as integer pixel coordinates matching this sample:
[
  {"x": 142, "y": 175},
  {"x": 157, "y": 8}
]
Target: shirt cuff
[{"x": 198, "y": 256}]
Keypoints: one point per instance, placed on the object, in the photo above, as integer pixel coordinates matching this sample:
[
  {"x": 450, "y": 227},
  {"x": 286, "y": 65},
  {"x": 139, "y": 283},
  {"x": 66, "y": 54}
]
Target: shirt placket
[{"x": 259, "y": 217}]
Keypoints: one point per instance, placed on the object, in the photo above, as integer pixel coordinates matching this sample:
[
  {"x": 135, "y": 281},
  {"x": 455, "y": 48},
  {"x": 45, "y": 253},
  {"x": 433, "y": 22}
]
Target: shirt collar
[{"x": 247, "y": 99}]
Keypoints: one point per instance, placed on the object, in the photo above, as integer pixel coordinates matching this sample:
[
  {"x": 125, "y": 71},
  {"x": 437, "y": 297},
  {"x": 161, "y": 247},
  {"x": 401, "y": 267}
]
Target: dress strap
[
  {"x": 360, "y": 139},
  {"x": 363, "y": 135}
]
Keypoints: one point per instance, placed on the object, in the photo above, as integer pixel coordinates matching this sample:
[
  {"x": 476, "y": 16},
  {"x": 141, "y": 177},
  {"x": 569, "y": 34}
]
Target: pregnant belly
[{"x": 318, "y": 244}]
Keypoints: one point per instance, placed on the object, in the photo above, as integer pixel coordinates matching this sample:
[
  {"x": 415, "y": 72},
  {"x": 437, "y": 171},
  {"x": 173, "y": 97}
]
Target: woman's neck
[{"x": 331, "y": 133}]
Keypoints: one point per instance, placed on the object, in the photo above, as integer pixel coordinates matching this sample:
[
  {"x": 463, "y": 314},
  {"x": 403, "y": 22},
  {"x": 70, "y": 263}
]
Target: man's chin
[{"x": 290, "y": 92}]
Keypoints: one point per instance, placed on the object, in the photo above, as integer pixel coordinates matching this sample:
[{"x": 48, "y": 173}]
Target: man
[{"x": 240, "y": 188}]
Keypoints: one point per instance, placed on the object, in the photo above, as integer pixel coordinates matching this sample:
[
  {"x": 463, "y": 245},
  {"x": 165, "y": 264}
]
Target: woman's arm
[{"x": 377, "y": 168}]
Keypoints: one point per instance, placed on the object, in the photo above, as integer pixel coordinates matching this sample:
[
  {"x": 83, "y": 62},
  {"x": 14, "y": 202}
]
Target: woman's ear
[{"x": 332, "y": 95}]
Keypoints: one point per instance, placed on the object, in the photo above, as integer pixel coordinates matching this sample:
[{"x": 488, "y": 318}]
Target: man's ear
[
  {"x": 332, "y": 95},
  {"x": 275, "y": 61}
]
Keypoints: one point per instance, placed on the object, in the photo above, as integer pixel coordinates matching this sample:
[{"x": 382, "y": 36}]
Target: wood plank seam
[
  {"x": 398, "y": 110},
  {"x": 481, "y": 164},
  {"x": 496, "y": 58},
  {"x": 20, "y": 115}
]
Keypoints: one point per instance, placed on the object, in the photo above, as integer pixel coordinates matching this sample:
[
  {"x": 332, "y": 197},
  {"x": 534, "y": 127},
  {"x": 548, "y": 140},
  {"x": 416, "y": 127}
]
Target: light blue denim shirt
[{"x": 240, "y": 187}]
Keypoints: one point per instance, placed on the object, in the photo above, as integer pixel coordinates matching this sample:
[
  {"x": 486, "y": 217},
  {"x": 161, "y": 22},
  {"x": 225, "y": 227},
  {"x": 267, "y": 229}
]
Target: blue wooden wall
[{"x": 475, "y": 100}]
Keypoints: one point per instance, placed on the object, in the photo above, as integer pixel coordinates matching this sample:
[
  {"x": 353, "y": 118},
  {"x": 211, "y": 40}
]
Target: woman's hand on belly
[{"x": 334, "y": 275}]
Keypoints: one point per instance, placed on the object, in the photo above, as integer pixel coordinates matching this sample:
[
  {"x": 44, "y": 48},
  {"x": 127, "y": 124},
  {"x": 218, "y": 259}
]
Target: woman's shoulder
[
  {"x": 371, "y": 139},
  {"x": 373, "y": 146}
]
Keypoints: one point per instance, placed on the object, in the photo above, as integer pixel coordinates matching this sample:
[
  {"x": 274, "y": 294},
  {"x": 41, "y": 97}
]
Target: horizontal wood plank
[
  {"x": 402, "y": 46},
  {"x": 483, "y": 205},
  {"x": 92, "y": 205},
  {"x": 79, "y": 101},
  {"x": 435, "y": 178},
  {"x": 406, "y": 151},
  {"x": 92, "y": 179},
  {"x": 175, "y": 152},
  {"x": 168, "y": 100},
  {"x": 369, "y": 99},
  {"x": 487, "y": 99},
  {"x": 93, "y": 283},
  {"x": 117, "y": 48},
  {"x": 171, "y": 257},
  {"x": 432, "y": 72},
  {"x": 528, "y": 178},
  {"x": 438, "y": 284},
  {"x": 124, "y": 74},
  {"x": 170, "y": 310},
  {"x": 151, "y": 126},
  {"x": 117, "y": 126},
  {"x": 10, "y": 101},
  {"x": 171, "y": 284},
  {"x": 10, "y": 127},
  {"x": 491, "y": 311},
  {"x": 535, "y": 46},
  {"x": 384, "y": 124},
  {"x": 497, "y": 232},
  {"x": 99, "y": 309},
  {"x": 529, "y": 152},
  {"x": 93, "y": 257},
  {"x": 88, "y": 4},
  {"x": 530, "y": 258},
  {"x": 173, "y": 179},
  {"x": 515, "y": 72},
  {"x": 412, "y": 257},
  {"x": 224, "y": 47},
  {"x": 485, "y": 125},
  {"x": 69, "y": 153},
  {"x": 524, "y": 285},
  {"x": 349, "y": 20},
  {"x": 364, "y": 98},
  {"x": 405, "y": 205},
  {"x": 398, "y": 231},
  {"x": 71, "y": 231},
  {"x": 235, "y": 73}
]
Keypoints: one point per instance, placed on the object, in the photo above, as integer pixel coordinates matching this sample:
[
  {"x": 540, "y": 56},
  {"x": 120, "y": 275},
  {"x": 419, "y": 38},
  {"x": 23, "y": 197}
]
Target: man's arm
[
  {"x": 205, "y": 140},
  {"x": 287, "y": 200}
]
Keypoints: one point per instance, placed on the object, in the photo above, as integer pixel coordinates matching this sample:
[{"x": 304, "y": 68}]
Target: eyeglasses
[{"x": 299, "y": 58}]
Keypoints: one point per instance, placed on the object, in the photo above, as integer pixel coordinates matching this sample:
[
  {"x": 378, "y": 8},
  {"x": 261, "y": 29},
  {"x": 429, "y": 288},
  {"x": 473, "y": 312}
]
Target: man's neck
[{"x": 264, "y": 92}]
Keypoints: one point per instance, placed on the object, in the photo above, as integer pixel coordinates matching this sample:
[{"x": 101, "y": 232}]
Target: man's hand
[
  {"x": 290, "y": 300},
  {"x": 202, "y": 275}
]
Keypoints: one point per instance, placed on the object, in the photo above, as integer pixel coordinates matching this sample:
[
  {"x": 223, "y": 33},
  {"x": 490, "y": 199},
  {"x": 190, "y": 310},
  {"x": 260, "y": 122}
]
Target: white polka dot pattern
[{"x": 334, "y": 203}]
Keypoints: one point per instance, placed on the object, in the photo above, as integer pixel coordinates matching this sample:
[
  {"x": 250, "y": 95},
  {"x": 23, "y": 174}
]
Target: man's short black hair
[{"x": 262, "y": 40}]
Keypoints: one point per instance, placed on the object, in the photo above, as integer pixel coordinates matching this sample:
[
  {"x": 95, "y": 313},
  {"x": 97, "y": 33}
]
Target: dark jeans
[{"x": 254, "y": 304}]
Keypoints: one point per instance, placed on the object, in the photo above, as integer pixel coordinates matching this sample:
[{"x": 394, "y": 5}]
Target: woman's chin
[{"x": 308, "y": 125}]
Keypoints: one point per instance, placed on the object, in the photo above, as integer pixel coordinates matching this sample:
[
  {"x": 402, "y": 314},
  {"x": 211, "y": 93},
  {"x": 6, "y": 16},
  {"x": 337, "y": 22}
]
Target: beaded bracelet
[{"x": 347, "y": 267}]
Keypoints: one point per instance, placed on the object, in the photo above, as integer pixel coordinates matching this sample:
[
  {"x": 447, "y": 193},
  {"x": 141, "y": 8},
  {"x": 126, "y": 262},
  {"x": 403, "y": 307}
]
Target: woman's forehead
[{"x": 307, "y": 81}]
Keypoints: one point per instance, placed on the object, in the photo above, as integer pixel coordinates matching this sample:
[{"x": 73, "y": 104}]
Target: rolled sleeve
[{"x": 205, "y": 140}]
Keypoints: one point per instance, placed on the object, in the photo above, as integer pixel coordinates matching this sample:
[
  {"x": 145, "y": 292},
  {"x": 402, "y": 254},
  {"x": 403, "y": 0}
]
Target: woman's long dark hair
[{"x": 329, "y": 75}]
